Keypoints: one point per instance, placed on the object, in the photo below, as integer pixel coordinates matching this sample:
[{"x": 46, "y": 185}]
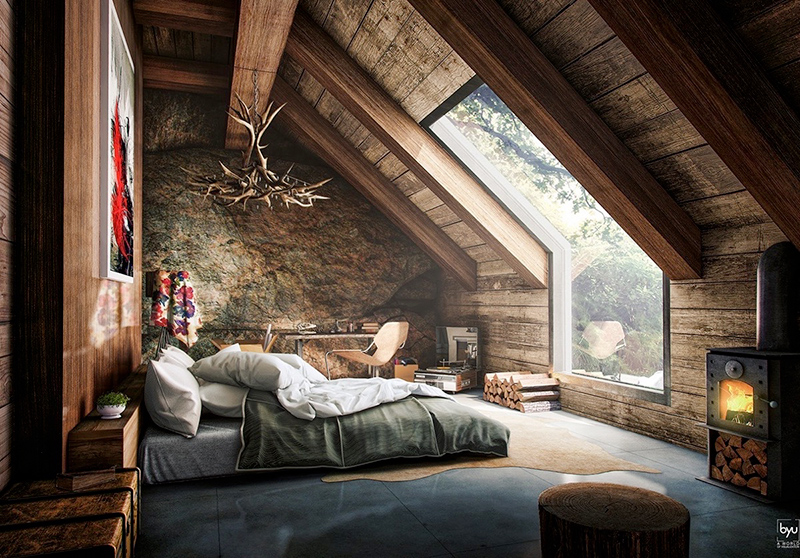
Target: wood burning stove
[
  {"x": 752, "y": 401},
  {"x": 753, "y": 394}
]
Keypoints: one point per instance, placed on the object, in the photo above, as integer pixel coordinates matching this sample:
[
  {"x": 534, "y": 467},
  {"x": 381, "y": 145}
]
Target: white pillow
[
  {"x": 172, "y": 398},
  {"x": 222, "y": 399},
  {"x": 174, "y": 355},
  {"x": 235, "y": 348},
  {"x": 263, "y": 371}
]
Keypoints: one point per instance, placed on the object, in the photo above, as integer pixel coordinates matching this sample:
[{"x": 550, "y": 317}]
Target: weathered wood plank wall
[
  {"x": 7, "y": 88},
  {"x": 78, "y": 334}
]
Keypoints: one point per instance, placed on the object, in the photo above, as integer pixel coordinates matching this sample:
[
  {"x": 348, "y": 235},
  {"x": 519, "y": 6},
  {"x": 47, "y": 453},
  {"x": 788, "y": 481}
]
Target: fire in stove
[{"x": 736, "y": 402}]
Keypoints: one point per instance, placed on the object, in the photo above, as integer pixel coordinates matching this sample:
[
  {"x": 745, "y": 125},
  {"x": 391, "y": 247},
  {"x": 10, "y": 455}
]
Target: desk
[{"x": 300, "y": 338}]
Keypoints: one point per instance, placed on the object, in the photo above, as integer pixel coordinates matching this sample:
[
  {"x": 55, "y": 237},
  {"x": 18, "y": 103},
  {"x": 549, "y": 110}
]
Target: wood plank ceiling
[{"x": 419, "y": 70}]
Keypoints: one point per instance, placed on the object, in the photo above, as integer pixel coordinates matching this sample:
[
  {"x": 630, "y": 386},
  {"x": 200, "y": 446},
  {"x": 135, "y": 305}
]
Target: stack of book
[{"x": 370, "y": 327}]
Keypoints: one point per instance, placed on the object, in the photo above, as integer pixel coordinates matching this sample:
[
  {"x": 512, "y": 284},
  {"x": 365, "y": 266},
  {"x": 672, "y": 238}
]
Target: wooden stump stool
[{"x": 609, "y": 520}]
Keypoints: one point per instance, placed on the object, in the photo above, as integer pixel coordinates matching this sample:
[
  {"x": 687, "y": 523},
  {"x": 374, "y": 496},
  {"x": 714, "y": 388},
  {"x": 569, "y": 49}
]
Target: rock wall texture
[{"x": 254, "y": 266}]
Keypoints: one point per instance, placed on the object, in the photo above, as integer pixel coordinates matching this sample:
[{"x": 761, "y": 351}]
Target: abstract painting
[{"x": 117, "y": 161}]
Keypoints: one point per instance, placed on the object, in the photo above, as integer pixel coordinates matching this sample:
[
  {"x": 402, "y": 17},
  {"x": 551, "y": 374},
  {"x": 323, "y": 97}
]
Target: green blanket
[{"x": 413, "y": 427}]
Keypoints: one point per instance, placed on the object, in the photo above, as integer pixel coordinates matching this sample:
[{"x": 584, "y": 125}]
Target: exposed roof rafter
[
  {"x": 506, "y": 59},
  {"x": 712, "y": 78},
  {"x": 319, "y": 54},
  {"x": 161, "y": 72},
  {"x": 260, "y": 40},
  {"x": 215, "y": 17}
]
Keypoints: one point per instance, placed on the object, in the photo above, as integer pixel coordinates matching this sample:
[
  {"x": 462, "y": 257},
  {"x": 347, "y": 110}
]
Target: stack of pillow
[{"x": 175, "y": 398}]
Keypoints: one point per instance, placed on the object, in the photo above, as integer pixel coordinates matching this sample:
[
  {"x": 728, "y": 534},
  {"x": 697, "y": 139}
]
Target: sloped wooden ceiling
[{"x": 418, "y": 69}]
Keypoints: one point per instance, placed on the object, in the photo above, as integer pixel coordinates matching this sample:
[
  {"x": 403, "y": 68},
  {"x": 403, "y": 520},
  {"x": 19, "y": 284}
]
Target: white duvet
[
  {"x": 301, "y": 388},
  {"x": 333, "y": 398}
]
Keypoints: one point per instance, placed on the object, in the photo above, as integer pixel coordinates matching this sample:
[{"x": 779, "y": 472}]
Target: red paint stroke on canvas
[{"x": 119, "y": 198}]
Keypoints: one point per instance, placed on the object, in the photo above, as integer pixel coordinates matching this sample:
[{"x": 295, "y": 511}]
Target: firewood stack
[
  {"x": 524, "y": 391},
  {"x": 741, "y": 463}
]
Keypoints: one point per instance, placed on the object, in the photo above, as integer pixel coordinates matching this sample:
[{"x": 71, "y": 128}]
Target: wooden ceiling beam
[
  {"x": 215, "y": 17},
  {"x": 300, "y": 119},
  {"x": 314, "y": 49},
  {"x": 714, "y": 80},
  {"x": 260, "y": 40},
  {"x": 191, "y": 76},
  {"x": 517, "y": 71}
]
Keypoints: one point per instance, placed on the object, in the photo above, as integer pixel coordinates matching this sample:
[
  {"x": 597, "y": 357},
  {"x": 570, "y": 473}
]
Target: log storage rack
[{"x": 524, "y": 391}]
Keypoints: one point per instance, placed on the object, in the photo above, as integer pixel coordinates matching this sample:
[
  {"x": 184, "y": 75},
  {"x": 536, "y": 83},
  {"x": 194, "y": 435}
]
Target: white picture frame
[{"x": 117, "y": 113}]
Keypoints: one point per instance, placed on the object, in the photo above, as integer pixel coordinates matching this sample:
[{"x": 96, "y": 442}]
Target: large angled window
[{"x": 615, "y": 313}]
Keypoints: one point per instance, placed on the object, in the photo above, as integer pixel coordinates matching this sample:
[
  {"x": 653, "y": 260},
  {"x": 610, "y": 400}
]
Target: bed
[{"x": 275, "y": 431}]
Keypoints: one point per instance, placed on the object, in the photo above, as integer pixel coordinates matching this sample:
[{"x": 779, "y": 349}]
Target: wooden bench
[
  {"x": 98, "y": 444},
  {"x": 611, "y": 520}
]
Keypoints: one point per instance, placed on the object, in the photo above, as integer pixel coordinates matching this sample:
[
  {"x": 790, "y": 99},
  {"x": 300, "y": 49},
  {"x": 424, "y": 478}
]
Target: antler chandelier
[{"x": 255, "y": 181}]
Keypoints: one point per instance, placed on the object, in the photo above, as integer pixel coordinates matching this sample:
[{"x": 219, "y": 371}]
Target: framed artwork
[{"x": 117, "y": 88}]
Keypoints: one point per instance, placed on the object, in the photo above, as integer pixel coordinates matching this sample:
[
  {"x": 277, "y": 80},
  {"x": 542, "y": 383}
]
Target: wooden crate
[
  {"x": 38, "y": 518},
  {"x": 96, "y": 443}
]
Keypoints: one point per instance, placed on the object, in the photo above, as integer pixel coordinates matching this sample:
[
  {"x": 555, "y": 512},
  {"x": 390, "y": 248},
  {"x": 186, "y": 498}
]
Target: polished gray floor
[{"x": 459, "y": 513}]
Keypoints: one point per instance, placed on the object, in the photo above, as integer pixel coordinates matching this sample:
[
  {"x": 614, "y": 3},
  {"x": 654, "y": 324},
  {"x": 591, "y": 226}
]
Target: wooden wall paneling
[
  {"x": 260, "y": 39},
  {"x": 539, "y": 95},
  {"x": 713, "y": 79},
  {"x": 39, "y": 244},
  {"x": 216, "y": 17},
  {"x": 8, "y": 358},
  {"x": 320, "y": 55},
  {"x": 186, "y": 75},
  {"x": 303, "y": 121}
]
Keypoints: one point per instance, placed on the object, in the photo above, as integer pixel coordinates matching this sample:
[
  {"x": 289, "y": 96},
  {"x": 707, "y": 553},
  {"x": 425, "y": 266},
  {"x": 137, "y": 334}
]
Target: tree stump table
[{"x": 611, "y": 520}]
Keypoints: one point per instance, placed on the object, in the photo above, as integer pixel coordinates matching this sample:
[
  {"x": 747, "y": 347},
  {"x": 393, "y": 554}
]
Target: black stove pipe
[{"x": 778, "y": 293}]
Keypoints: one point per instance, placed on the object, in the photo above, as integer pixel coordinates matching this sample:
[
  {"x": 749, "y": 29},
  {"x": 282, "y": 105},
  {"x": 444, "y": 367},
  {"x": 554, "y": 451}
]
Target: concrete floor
[{"x": 459, "y": 513}]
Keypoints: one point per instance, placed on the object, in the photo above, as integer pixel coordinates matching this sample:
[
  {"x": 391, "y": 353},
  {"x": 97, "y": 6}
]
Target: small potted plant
[{"x": 111, "y": 405}]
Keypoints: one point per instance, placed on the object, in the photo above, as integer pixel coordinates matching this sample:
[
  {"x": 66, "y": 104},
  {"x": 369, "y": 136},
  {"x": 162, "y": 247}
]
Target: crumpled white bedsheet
[{"x": 308, "y": 398}]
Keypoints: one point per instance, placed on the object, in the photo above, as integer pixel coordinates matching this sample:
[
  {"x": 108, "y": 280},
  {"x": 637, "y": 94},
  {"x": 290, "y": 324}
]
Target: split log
[
  {"x": 720, "y": 444},
  {"x": 735, "y": 464},
  {"x": 754, "y": 483},
  {"x": 598, "y": 519},
  {"x": 760, "y": 469},
  {"x": 735, "y": 441},
  {"x": 720, "y": 460},
  {"x": 763, "y": 488},
  {"x": 727, "y": 474},
  {"x": 716, "y": 473},
  {"x": 739, "y": 480},
  {"x": 539, "y": 396}
]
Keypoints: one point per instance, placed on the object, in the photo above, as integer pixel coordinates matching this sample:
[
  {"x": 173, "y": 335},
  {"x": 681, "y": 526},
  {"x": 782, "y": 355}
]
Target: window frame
[{"x": 558, "y": 248}]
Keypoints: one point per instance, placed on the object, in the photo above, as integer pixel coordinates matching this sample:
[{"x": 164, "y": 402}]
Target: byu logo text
[{"x": 788, "y": 533}]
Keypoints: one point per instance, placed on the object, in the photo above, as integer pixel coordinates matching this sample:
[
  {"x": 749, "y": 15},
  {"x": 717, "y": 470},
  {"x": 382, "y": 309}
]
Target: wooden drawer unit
[
  {"x": 38, "y": 519},
  {"x": 96, "y": 443}
]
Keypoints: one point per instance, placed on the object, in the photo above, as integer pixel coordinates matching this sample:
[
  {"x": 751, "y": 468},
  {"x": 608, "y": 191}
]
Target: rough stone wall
[{"x": 254, "y": 266}]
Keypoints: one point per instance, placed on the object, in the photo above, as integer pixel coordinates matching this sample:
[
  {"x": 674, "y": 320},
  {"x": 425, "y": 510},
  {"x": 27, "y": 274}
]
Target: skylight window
[{"x": 608, "y": 295}]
